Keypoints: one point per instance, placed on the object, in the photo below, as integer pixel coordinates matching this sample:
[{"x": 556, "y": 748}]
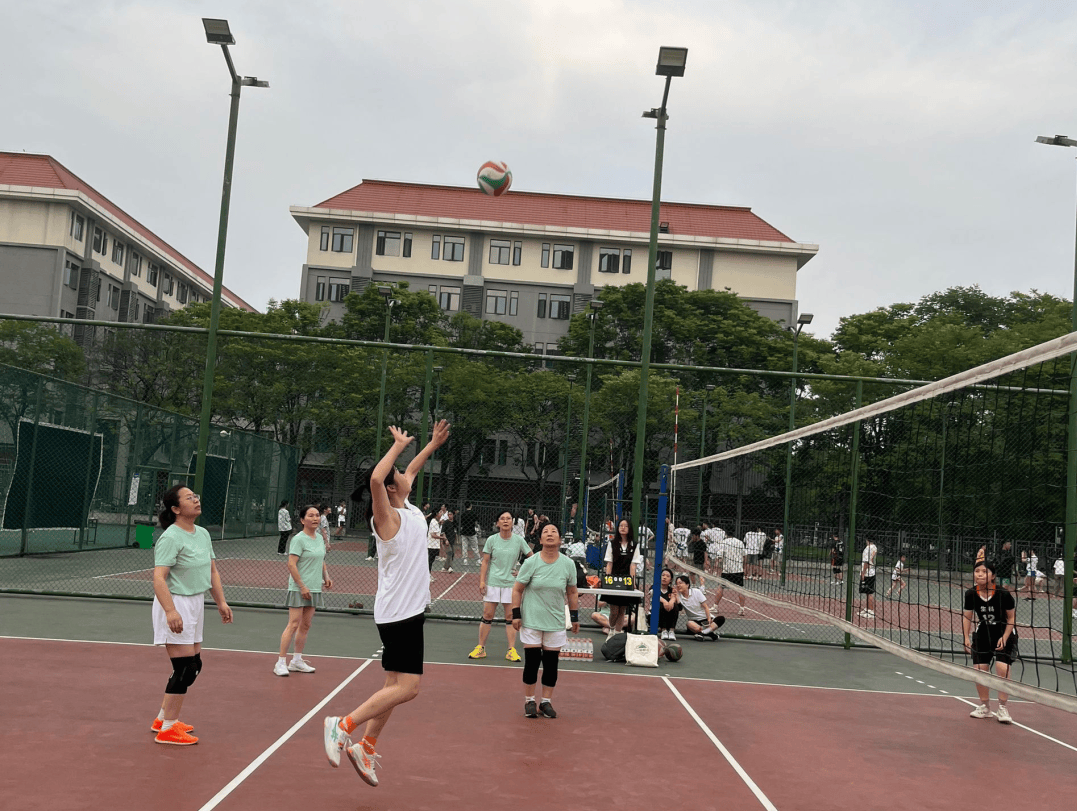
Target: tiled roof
[
  {"x": 45, "y": 172},
  {"x": 532, "y": 208}
]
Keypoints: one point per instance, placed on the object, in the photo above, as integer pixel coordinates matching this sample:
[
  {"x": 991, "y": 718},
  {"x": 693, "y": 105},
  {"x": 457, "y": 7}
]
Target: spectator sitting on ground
[
  {"x": 602, "y": 618},
  {"x": 574, "y": 547},
  {"x": 696, "y": 611}
]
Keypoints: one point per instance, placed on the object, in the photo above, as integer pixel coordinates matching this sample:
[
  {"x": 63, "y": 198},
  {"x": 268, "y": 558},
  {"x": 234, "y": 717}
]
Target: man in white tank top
[{"x": 403, "y": 594}]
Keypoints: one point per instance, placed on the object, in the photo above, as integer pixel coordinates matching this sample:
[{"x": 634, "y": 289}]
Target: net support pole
[
  {"x": 88, "y": 489},
  {"x": 429, "y": 381},
  {"x": 1070, "y": 545},
  {"x": 24, "y": 543},
  {"x": 854, "y": 486},
  {"x": 136, "y": 453},
  {"x": 581, "y": 528},
  {"x": 659, "y": 544}
]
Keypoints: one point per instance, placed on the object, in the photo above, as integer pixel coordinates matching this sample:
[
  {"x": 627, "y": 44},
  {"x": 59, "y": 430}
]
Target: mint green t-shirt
[
  {"x": 188, "y": 556},
  {"x": 311, "y": 554},
  {"x": 503, "y": 552},
  {"x": 545, "y": 584}
]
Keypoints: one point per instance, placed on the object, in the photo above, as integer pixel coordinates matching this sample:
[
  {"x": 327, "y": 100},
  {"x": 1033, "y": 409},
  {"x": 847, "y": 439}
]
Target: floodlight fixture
[
  {"x": 596, "y": 304},
  {"x": 385, "y": 290},
  {"x": 671, "y": 61},
  {"x": 805, "y": 318},
  {"x": 218, "y": 32},
  {"x": 1058, "y": 140}
]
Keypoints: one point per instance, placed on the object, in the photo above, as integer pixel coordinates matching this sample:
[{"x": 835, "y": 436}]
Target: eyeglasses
[{"x": 193, "y": 497}]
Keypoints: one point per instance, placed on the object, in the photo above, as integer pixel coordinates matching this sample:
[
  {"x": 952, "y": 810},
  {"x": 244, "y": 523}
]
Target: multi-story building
[
  {"x": 68, "y": 251},
  {"x": 532, "y": 260}
]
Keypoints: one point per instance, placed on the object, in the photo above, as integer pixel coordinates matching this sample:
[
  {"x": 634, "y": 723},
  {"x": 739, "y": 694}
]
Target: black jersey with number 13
[{"x": 990, "y": 613}]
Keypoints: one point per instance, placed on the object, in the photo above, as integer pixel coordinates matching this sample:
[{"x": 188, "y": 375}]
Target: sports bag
[{"x": 613, "y": 649}]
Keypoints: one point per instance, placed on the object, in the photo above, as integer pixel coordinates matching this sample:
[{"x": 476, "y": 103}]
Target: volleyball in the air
[{"x": 494, "y": 178}]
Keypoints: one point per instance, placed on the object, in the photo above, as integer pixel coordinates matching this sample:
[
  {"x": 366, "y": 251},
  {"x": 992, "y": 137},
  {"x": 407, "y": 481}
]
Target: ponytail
[{"x": 170, "y": 499}]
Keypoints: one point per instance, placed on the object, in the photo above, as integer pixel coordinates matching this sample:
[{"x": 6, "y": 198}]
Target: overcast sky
[{"x": 898, "y": 136}]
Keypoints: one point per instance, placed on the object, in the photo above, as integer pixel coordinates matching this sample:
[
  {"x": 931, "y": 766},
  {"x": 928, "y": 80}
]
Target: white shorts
[
  {"x": 548, "y": 639},
  {"x": 192, "y": 610},
  {"x": 496, "y": 594}
]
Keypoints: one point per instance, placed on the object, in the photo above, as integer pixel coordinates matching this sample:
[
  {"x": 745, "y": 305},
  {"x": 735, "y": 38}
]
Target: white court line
[
  {"x": 759, "y": 795},
  {"x": 767, "y": 616},
  {"x": 120, "y": 574},
  {"x": 258, "y": 761},
  {"x": 1029, "y": 729},
  {"x": 450, "y": 588}
]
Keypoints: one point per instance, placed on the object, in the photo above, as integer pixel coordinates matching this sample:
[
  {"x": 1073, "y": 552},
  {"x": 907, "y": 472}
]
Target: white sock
[
  {"x": 297, "y": 657},
  {"x": 160, "y": 715},
  {"x": 166, "y": 725},
  {"x": 282, "y": 660},
  {"x": 545, "y": 701},
  {"x": 529, "y": 698}
]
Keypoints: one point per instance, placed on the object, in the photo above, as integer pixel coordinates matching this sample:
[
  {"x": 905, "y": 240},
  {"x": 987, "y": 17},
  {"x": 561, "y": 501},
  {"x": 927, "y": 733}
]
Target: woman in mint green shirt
[{"x": 306, "y": 577}]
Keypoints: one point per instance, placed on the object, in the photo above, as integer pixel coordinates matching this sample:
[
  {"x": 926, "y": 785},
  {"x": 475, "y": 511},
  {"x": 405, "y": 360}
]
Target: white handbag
[{"x": 641, "y": 650}]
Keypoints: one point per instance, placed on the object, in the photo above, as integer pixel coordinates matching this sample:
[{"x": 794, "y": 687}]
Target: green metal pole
[
  {"x": 566, "y": 445},
  {"x": 218, "y": 278},
  {"x": 132, "y": 465},
  {"x": 381, "y": 395},
  {"x": 942, "y": 481},
  {"x": 702, "y": 453},
  {"x": 24, "y": 544},
  {"x": 1071, "y": 490},
  {"x": 648, "y": 314},
  {"x": 583, "y": 439},
  {"x": 789, "y": 457},
  {"x": 854, "y": 484},
  {"x": 425, "y": 430},
  {"x": 437, "y": 410}
]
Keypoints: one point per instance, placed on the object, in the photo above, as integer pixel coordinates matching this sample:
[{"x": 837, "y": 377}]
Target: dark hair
[
  {"x": 170, "y": 499},
  {"x": 503, "y": 512},
  {"x": 667, "y": 569},
  {"x": 363, "y": 492},
  {"x": 615, "y": 546},
  {"x": 303, "y": 512},
  {"x": 283, "y": 504},
  {"x": 683, "y": 578}
]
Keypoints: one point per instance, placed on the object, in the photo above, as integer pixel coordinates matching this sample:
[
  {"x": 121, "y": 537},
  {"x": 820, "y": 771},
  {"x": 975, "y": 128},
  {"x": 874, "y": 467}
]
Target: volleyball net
[{"x": 884, "y": 510}]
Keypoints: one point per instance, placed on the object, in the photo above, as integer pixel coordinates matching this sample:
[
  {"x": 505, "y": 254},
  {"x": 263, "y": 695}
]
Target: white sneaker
[
  {"x": 672, "y": 636},
  {"x": 431, "y": 578},
  {"x": 1003, "y": 715},
  {"x": 364, "y": 763},
  {"x": 982, "y": 712},
  {"x": 280, "y": 669},
  {"x": 335, "y": 739},
  {"x": 368, "y": 557},
  {"x": 300, "y": 666},
  {"x": 740, "y": 612},
  {"x": 449, "y": 570},
  {"x": 862, "y": 613}
]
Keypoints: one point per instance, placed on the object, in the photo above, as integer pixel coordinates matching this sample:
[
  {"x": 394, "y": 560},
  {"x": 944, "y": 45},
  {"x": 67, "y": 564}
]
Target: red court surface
[{"x": 78, "y": 714}]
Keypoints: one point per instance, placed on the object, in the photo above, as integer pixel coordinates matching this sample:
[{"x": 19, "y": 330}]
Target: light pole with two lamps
[
  {"x": 802, "y": 321},
  {"x": 564, "y": 469},
  {"x": 595, "y": 305},
  {"x": 387, "y": 293},
  {"x": 702, "y": 452}
]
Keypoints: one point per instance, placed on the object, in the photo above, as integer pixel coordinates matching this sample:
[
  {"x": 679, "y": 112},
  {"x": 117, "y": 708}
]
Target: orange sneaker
[
  {"x": 175, "y": 737},
  {"x": 158, "y": 723}
]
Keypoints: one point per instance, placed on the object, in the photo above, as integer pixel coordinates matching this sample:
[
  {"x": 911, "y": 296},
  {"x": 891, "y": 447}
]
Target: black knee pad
[
  {"x": 532, "y": 659},
  {"x": 549, "y": 667},
  {"x": 196, "y": 669},
  {"x": 183, "y": 674}
]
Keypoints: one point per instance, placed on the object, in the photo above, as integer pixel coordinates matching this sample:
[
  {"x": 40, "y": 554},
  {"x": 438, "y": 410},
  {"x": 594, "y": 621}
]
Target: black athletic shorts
[
  {"x": 736, "y": 579},
  {"x": 867, "y": 585},
  {"x": 983, "y": 649},
  {"x": 402, "y": 645}
]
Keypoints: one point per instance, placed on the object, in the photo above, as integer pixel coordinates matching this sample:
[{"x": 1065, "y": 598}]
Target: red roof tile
[
  {"x": 532, "y": 208},
  {"x": 43, "y": 171}
]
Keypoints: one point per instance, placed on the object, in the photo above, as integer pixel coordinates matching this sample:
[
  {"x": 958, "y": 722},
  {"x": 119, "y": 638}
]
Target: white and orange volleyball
[{"x": 494, "y": 178}]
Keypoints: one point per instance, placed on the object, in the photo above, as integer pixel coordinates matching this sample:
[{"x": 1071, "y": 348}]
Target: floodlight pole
[
  {"x": 802, "y": 321},
  {"x": 564, "y": 469},
  {"x": 218, "y": 270},
  {"x": 595, "y": 307},
  {"x": 1070, "y": 545},
  {"x": 387, "y": 293},
  {"x": 702, "y": 452}
]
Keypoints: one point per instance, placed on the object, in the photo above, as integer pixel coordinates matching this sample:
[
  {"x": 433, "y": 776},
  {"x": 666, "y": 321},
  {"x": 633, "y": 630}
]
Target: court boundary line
[
  {"x": 1023, "y": 726},
  {"x": 235, "y": 782},
  {"x": 450, "y": 588},
  {"x": 758, "y": 792}
]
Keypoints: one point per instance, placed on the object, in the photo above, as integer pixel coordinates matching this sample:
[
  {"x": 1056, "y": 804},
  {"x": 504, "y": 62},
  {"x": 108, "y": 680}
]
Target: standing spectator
[
  {"x": 867, "y": 577},
  {"x": 342, "y": 519},
  {"x": 284, "y": 527},
  {"x": 779, "y": 551},
  {"x": 428, "y": 512},
  {"x": 323, "y": 525},
  {"x": 1060, "y": 577},
  {"x": 837, "y": 560},
  {"x": 753, "y": 544},
  {"x": 697, "y": 548},
  {"x": 184, "y": 569},
  {"x": 1006, "y": 565},
  {"x": 434, "y": 539},
  {"x": 731, "y": 570},
  {"x": 698, "y": 613},
  {"x": 896, "y": 578},
  {"x": 469, "y": 534},
  {"x": 306, "y": 577},
  {"x": 533, "y": 523},
  {"x": 1031, "y": 564},
  {"x": 680, "y": 542},
  {"x": 623, "y": 558},
  {"x": 519, "y": 527},
  {"x": 448, "y": 529},
  {"x": 712, "y": 537},
  {"x": 995, "y": 636},
  {"x": 500, "y": 554}
]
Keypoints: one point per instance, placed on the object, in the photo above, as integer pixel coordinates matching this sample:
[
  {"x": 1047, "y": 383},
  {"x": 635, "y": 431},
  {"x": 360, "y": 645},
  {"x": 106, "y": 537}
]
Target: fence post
[
  {"x": 659, "y": 544},
  {"x": 136, "y": 447},
  {"x": 24, "y": 546},
  {"x": 854, "y": 476},
  {"x": 426, "y": 420},
  {"x": 87, "y": 494}
]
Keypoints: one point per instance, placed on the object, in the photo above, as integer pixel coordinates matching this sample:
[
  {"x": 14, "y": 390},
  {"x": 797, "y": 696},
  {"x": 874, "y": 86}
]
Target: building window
[
  {"x": 454, "y": 249},
  {"x": 503, "y": 452},
  {"x": 497, "y": 302},
  {"x": 449, "y": 299},
  {"x": 499, "y": 251},
  {"x": 542, "y": 305},
  {"x": 77, "y": 224},
  {"x": 100, "y": 241},
  {"x": 540, "y": 349},
  {"x": 626, "y": 264},
  {"x": 489, "y": 452},
  {"x": 338, "y": 289},
  {"x": 514, "y": 303},
  {"x": 560, "y": 306},
  {"x": 182, "y": 295},
  {"x": 517, "y": 252},
  {"x": 136, "y": 264},
  {"x": 407, "y": 245},
  {"x": 117, "y": 253},
  {"x": 388, "y": 243},
  {"x": 664, "y": 261},
  {"x": 609, "y": 260},
  {"x": 325, "y": 238},
  {"x": 319, "y": 290},
  {"x": 342, "y": 239},
  {"x": 151, "y": 274},
  {"x": 545, "y": 254},
  {"x": 168, "y": 287},
  {"x": 71, "y": 275},
  {"x": 114, "y": 297},
  {"x": 435, "y": 247},
  {"x": 134, "y": 312},
  {"x": 66, "y": 314},
  {"x": 433, "y": 288},
  {"x": 562, "y": 257}
]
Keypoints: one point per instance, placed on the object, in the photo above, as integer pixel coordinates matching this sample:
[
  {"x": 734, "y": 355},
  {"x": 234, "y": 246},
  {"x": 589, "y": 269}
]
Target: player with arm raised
[{"x": 403, "y": 594}]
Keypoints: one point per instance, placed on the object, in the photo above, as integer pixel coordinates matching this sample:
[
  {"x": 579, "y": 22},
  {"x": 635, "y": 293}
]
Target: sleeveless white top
[{"x": 403, "y": 578}]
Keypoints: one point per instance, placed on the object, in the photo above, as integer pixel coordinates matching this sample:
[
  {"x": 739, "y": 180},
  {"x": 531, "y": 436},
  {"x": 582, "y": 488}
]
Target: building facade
[
  {"x": 532, "y": 260},
  {"x": 69, "y": 252}
]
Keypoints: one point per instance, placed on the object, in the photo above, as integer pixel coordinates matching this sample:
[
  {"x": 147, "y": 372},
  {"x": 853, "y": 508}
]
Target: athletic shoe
[
  {"x": 672, "y": 636},
  {"x": 280, "y": 668},
  {"x": 1003, "y": 715},
  {"x": 175, "y": 737},
  {"x": 512, "y": 655},
  {"x": 300, "y": 666},
  {"x": 1074, "y": 614},
  {"x": 869, "y": 613},
  {"x": 546, "y": 708},
  {"x": 478, "y": 653},
  {"x": 699, "y": 637},
  {"x": 368, "y": 557},
  {"x": 982, "y": 712},
  {"x": 740, "y": 613},
  {"x": 364, "y": 762},
  {"x": 158, "y": 723},
  {"x": 862, "y": 613},
  {"x": 335, "y": 739},
  {"x": 449, "y": 570},
  {"x": 431, "y": 578},
  {"x": 530, "y": 710}
]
